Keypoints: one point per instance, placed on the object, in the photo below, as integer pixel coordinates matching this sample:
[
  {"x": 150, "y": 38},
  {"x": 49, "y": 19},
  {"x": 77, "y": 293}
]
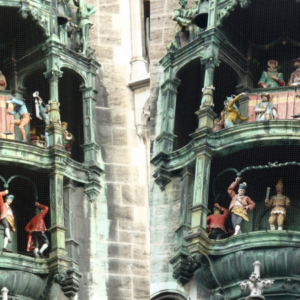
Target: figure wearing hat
[
  {"x": 232, "y": 111},
  {"x": 295, "y": 76},
  {"x": 265, "y": 110},
  {"x": 239, "y": 205},
  {"x": 278, "y": 203},
  {"x": 6, "y": 218},
  {"x": 36, "y": 231},
  {"x": 271, "y": 78},
  {"x": 68, "y": 137},
  {"x": 215, "y": 223}
]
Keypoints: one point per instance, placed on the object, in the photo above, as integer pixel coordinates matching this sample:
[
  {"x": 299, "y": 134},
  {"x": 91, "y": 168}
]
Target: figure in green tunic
[
  {"x": 84, "y": 23},
  {"x": 271, "y": 78}
]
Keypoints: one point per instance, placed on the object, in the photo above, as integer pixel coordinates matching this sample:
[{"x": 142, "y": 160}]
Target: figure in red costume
[
  {"x": 215, "y": 223},
  {"x": 36, "y": 231},
  {"x": 6, "y": 218}
]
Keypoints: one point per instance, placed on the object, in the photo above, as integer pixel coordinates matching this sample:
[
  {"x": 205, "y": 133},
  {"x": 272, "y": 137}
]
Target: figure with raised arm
[
  {"x": 42, "y": 112},
  {"x": 36, "y": 231},
  {"x": 239, "y": 205},
  {"x": 232, "y": 111},
  {"x": 83, "y": 13},
  {"x": 215, "y": 223},
  {"x": 6, "y": 218},
  {"x": 278, "y": 203}
]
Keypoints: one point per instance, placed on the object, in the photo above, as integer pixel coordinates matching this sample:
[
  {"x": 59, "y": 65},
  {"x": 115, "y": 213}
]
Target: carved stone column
[
  {"x": 212, "y": 40},
  {"x": 54, "y": 129},
  {"x": 212, "y": 14},
  {"x": 53, "y": 19},
  {"x": 58, "y": 229},
  {"x": 169, "y": 94},
  {"x": 181, "y": 266},
  {"x": 91, "y": 149},
  {"x": 201, "y": 190},
  {"x": 71, "y": 243},
  {"x": 138, "y": 63}
]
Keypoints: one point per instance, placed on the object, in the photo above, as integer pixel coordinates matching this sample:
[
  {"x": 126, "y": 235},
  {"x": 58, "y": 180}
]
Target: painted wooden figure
[
  {"x": 239, "y": 205},
  {"x": 278, "y": 203}
]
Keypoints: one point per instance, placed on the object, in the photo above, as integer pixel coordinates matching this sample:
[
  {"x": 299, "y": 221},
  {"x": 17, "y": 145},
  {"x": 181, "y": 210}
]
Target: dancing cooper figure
[
  {"x": 7, "y": 218},
  {"x": 239, "y": 205},
  {"x": 36, "y": 231}
]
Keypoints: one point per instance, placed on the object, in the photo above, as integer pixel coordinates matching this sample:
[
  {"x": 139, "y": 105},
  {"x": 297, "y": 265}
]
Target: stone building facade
[{"x": 98, "y": 195}]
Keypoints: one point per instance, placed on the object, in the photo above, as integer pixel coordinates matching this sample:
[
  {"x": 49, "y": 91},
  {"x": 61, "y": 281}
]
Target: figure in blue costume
[
  {"x": 265, "y": 110},
  {"x": 42, "y": 113},
  {"x": 83, "y": 14},
  {"x": 271, "y": 78},
  {"x": 21, "y": 109}
]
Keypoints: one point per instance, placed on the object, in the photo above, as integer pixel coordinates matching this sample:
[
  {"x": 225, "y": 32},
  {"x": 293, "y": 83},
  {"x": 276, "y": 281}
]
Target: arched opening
[
  {"x": 27, "y": 186},
  {"x": 19, "y": 38},
  {"x": 258, "y": 179},
  {"x": 71, "y": 110},
  {"x": 188, "y": 102},
  {"x": 260, "y": 34}
]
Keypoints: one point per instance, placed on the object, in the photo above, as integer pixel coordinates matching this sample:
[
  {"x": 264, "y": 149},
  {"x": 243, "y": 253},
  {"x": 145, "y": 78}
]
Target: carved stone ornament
[
  {"x": 255, "y": 284},
  {"x": 35, "y": 13}
]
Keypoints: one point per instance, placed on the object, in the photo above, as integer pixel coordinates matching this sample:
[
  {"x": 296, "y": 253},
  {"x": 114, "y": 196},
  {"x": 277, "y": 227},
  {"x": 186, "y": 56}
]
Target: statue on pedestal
[
  {"x": 84, "y": 23},
  {"x": 232, "y": 111},
  {"x": 265, "y": 110},
  {"x": 271, "y": 78},
  {"x": 6, "y": 218},
  {"x": 36, "y": 231},
  {"x": 215, "y": 223},
  {"x": 239, "y": 205},
  {"x": 278, "y": 203},
  {"x": 184, "y": 18}
]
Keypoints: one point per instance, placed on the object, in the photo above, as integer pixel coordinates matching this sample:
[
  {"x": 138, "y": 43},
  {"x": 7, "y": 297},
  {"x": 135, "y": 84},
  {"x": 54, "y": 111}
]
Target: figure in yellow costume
[
  {"x": 232, "y": 111},
  {"x": 278, "y": 203}
]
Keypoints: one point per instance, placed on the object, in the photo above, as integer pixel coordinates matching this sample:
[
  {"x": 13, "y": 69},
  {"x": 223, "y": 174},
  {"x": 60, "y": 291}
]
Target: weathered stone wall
[{"x": 114, "y": 241}]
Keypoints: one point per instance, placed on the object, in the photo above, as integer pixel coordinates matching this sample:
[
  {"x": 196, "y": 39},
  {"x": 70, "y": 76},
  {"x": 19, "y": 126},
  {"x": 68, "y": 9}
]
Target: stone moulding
[
  {"x": 241, "y": 137},
  {"x": 279, "y": 252},
  {"x": 256, "y": 239},
  {"x": 35, "y": 158}
]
